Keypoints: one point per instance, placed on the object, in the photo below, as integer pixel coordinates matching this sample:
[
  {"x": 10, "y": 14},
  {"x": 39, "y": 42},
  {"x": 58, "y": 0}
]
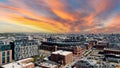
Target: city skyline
[{"x": 60, "y": 16}]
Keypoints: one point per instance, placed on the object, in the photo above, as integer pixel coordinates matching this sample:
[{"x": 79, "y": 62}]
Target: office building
[
  {"x": 24, "y": 49},
  {"x": 5, "y": 54}
]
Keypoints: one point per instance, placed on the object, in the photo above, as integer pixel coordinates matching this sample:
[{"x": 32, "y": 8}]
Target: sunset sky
[{"x": 60, "y": 16}]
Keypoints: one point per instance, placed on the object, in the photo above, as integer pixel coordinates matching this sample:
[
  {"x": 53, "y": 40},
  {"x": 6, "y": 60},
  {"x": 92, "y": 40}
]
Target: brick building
[
  {"x": 76, "y": 50},
  {"x": 112, "y": 55},
  {"x": 62, "y": 57},
  {"x": 101, "y": 45},
  {"x": 111, "y": 51}
]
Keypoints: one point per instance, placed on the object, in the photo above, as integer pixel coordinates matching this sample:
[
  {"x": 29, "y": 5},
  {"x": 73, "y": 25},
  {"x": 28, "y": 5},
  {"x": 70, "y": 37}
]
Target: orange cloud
[
  {"x": 58, "y": 8},
  {"x": 59, "y": 15},
  {"x": 36, "y": 20},
  {"x": 101, "y": 5},
  {"x": 114, "y": 25}
]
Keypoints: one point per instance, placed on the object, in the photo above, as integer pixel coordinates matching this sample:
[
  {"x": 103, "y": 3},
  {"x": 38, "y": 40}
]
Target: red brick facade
[{"x": 62, "y": 59}]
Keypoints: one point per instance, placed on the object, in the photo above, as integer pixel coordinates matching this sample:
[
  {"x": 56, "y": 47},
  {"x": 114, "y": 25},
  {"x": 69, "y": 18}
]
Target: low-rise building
[
  {"x": 111, "y": 51},
  {"x": 62, "y": 57},
  {"x": 85, "y": 63},
  {"x": 24, "y": 63},
  {"x": 101, "y": 45},
  {"x": 48, "y": 64},
  {"x": 112, "y": 55},
  {"x": 76, "y": 50}
]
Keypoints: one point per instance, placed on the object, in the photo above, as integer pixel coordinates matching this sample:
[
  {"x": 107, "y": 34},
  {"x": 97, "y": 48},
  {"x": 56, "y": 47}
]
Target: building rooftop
[
  {"x": 112, "y": 49},
  {"x": 5, "y": 47},
  {"x": 15, "y": 65},
  {"x": 24, "y": 60},
  {"x": 48, "y": 64},
  {"x": 61, "y": 52},
  {"x": 91, "y": 62},
  {"x": 87, "y": 63},
  {"x": 44, "y": 64},
  {"x": 18, "y": 64}
]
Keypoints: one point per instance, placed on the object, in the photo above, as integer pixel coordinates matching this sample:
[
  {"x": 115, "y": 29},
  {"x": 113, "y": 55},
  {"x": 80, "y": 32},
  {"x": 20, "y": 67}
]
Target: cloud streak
[{"x": 62, "y": 15}]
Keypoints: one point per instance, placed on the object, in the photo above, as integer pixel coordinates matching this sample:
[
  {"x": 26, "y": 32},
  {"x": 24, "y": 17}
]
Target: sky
[{"x": 60, "y": 16}]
